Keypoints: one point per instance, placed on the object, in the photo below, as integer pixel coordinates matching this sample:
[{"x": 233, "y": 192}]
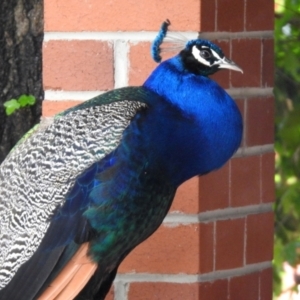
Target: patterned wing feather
[{"x": 37, "y": 175}]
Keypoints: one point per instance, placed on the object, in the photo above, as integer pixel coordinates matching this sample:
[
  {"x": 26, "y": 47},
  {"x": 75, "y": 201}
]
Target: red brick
[
  {"x": 222, "y": 77},
  {"x": 245, "y": 181},
  {"x": 214, "y": 190},
  {"x": 206, "y": 251},
  {"x": 95, "y": 15},
  {"x": 208, "y": 15},
  {"x": 247, "y": 54},
  {"x": 187, "y": 197},
  {"x": 163, "y": 290},
  {"x": 230, "y": 15},
  {"x": 260, "y": 121},
  {"x": 259, "y": 15},
  {"x": 51, "y": 108},
  {"x": 78, "y": 65},
  {"x": 260, "y": 232},
  {"x": 244, "y": 287},
  {"x": 170, "y": 250},
  {"x": 141, "y": 63},
  {"x": 267, "y": 177},
  {"x": 230, "y": 244},
  {"x": 266, "y": 284},
  {"x": 216, "y": 290},
  {"x": 268, "y": 63}
]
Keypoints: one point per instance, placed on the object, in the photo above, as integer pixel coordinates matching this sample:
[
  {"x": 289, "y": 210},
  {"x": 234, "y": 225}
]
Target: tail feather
[{"x": 74, "y": 276}]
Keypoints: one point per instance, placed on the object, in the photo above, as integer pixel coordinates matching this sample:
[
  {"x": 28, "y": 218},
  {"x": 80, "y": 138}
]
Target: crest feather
[{"x": 171, "y": 42}]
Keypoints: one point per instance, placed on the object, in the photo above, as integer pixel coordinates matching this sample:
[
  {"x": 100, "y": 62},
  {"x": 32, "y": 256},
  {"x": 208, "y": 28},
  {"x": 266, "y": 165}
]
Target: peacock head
[
  {"x": 203, "y": 57},
  {"x": 198, "y": 56}
]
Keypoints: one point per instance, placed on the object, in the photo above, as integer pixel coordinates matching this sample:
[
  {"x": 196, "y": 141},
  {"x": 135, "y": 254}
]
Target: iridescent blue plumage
[
  {"x": 184, "y": 125},
  {"x": 192, "y": 128}
]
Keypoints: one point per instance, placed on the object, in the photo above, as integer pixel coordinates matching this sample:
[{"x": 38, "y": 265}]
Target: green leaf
[
  {"x": 290, "y": 252},
  {"x": 25, "y": 100},
  {"x": 11, "y": 106},
  {"x": 287, "y": 137}
]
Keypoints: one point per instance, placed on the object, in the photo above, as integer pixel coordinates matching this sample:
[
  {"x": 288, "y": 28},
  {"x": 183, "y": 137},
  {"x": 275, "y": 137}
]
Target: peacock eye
[{"x": 205, "y": 54}]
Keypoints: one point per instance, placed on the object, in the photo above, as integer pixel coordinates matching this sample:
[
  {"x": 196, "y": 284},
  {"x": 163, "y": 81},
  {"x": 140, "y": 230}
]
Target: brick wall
[{"x": 216, "y": 243}]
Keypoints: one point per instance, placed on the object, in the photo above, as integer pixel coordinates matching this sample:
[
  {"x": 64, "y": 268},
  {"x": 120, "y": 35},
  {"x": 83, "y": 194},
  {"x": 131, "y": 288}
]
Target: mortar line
[
  {"x": 150, "y": 35},
  {"x": 120, "y": 290},
  {"x": 254, "y": 150},
  {"x": 223, "y": 35},
  {"x": 216, "y": 16},
  {"x": 187, "y": 278},
  {"x": 261, "y": 62},
  {"x": 245, "y": 15},
  {"x": 133, "y": 36},
  {"x": 250, "y": 92},
  {"x": 121, "y": 65},
  {"x": 214, "y": 245},
  {"x": 245, "y": 242},
  {"x": 175, "y": 219}
]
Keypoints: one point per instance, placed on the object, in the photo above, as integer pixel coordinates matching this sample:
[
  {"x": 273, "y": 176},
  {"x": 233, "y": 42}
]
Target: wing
[{"x": 37, "y": 175}]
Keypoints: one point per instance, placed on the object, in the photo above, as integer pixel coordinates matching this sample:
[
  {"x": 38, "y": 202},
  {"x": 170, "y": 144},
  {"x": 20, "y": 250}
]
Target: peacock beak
[{"x": 226, "y": 63}]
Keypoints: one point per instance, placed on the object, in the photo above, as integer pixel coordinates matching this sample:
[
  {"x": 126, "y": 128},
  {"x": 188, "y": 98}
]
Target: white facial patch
[
  {"x": 196, "y": 53},
  {"x": 215, "y": 54}
]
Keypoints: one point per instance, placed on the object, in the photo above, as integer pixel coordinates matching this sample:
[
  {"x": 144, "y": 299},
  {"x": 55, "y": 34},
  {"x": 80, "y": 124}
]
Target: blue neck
[{"x": 195, "y": 129}]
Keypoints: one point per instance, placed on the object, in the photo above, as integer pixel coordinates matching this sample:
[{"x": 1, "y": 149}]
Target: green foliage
[
  {"x": 14, "y": 104},
  {"x": 287, "y": 143}
]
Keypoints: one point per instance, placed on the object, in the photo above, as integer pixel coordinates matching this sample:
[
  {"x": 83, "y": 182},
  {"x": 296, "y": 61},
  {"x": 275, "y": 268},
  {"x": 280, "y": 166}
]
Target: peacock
[{"x": 77, "y": 195}]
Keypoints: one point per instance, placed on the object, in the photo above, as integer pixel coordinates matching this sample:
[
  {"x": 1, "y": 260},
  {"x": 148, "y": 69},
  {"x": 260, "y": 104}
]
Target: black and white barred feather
[{"x": 39, "y": 172}]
